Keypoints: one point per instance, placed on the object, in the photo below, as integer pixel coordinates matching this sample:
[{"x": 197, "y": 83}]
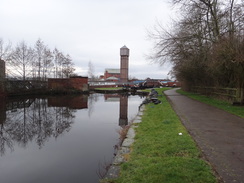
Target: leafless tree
[
  {"x": 35, "y": 63},
  {"x": 58, "y": 63},
  {"x": 47, "y": 63},
  {"x": 4, "y": 50},
  {"x": 67, "y": 66},
  {"x": 21, "y": 60},
  {"x": 39, "y": 53},
  {"x": 206, "y": 45},
  {"x": 63, "y": 65},
  {"x": 91, "y": 70}
]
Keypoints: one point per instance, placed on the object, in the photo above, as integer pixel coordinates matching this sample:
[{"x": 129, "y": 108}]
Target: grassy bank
[
  {"x": 236, "y": 110},
  {"x": 160, "y": 154}
]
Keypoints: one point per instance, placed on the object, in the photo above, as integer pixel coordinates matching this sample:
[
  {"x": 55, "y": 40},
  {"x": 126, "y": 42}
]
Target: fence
[
  {"x": 24, "y": 87},
  {"x": 234, "y": 95}
]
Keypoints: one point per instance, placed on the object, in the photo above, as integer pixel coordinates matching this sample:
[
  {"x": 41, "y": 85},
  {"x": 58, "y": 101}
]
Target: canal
[{"x": 64, "y": 139}]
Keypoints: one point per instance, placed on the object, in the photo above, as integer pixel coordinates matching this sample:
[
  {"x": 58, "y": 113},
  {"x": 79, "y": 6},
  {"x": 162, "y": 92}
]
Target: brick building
[
  {"x": 120, "y": 74},
  {"x": 112, "y": 74},
  {"x": 124, "y": 64},
  {"x": 66, "y": 84}
]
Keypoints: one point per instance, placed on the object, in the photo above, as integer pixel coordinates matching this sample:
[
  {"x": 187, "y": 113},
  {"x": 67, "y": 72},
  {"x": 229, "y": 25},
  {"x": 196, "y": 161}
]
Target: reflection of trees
[
  {"x": 34, "y": 122},
  {"x": 92, "y": 99},
  {"x": 5, "y": 140}
]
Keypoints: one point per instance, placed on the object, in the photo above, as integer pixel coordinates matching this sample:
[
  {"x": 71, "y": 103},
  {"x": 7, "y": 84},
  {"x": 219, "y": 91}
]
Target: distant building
[
  {"x": 112, "y": 74},
  {"x": 112, "y": 78},
  {"x": 77, "y": 83},
  {"x": 120, "y": 74}
]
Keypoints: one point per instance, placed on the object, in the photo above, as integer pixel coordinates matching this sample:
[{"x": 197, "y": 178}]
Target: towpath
[{"x": 220, "y": 135}]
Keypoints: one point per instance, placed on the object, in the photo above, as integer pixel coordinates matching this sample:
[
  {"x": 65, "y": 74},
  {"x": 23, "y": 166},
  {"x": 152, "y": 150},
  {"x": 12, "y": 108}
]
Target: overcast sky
[{"x": 89, "y": 30}]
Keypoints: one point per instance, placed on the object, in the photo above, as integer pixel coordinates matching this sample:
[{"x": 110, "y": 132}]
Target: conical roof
[
  {"x": 124, "y": 47},
  {"x": 124, "y": 51}
]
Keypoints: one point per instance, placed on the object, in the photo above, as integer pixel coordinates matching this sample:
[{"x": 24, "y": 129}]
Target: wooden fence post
[{"x": 240, "y": 95}]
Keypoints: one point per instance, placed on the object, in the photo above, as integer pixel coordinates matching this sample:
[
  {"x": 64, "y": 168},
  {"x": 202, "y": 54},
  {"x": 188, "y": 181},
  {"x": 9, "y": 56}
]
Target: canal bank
[
  {"x": 125, "y": 148},
  {"x": 161, "y": 151}
]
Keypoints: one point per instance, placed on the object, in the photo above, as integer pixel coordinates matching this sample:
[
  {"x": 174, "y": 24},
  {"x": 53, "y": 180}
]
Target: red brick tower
[{"x": 124, "y": 61}]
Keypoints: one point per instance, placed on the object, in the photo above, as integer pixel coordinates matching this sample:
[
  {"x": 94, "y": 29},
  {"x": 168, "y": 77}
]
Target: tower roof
[
  {"x": 124, "y": 47},
  {"x": 124, "y": 51}
]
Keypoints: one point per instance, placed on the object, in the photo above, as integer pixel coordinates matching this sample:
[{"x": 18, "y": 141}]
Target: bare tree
[
  {"x": 47, "y": 63},
  {"x": 57, "y": 57},
  {"x": 4, "y": 50},
  {"x": 67, "y": 66},
  {"x": 39, "y": 53},
  {"x": 21, "y": 60},
  {"x": 206, "y": 45},
  {"x": 91, "y": 70},
  {"x": 35, "y": 63}
]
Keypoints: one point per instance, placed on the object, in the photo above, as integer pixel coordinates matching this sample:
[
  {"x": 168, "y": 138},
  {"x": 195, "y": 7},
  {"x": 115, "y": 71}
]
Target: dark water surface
[{"x": 65, "y": 139}]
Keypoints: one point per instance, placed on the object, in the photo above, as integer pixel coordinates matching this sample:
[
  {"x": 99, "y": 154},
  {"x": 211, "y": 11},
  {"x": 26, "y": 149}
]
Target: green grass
[
  {"x": 236, "y": 110},
  {"x": 160, "y": 155}
]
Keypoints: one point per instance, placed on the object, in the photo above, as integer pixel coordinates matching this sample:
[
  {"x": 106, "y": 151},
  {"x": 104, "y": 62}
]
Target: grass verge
[
  {"x": 236, "y": 110},
  {"x": 159, "y": 154}
]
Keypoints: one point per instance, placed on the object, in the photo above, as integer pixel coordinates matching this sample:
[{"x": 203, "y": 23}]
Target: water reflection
[
  {"x": 36, "y": 119},
  {"x": 123, "y": 112},
  {"x": 123, "y": 106},
  {"x": 46, "y": 135}
]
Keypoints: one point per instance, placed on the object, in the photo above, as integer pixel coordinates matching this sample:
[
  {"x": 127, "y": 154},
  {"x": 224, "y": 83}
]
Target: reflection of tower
[
  {"x": 124, "y": 60},
  {"x": 123, "y": 110}
]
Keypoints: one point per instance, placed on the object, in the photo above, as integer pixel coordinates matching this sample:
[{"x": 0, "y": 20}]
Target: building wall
[
  {"x": 77, "y": 83},
  {"x": 124, "y": 68},
  {"x": 107, "y": 75},
  {"x": 2, "y": 77}
]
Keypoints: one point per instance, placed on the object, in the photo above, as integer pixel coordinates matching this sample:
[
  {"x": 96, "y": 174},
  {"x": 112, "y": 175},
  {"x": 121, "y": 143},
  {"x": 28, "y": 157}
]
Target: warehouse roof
[{"x": 114, "y": 71}]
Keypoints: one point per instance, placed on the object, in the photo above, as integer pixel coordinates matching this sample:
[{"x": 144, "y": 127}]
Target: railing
[
  {"x": 19, "y": 86},
  {"x": 230, "y": 94}
]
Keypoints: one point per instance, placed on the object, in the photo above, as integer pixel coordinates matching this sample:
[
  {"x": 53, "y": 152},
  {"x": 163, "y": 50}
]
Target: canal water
[{"x": 64, "y": 139}]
